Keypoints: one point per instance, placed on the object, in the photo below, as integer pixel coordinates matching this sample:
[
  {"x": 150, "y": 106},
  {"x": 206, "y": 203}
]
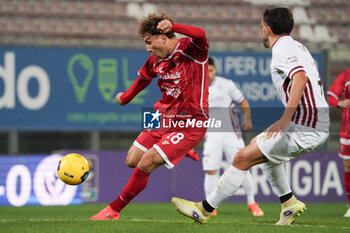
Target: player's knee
[
  {"x": 346, "y": 165},
  {"x": 150, "y": 161},
  {"x": 146, "y": 164},
  {"x": 130, "y": 160},
  {"x": 239, "y": 159}
]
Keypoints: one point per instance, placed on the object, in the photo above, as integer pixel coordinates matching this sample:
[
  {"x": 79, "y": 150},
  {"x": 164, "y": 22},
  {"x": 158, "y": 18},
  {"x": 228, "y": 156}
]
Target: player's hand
[
  {"x": 277, "y": 128},
  {"x": 246, "y": 125},
  {"x": 344, "y": 103},
  {"x": 164, "y": 26},
  {"x": 117, "y": 98}
]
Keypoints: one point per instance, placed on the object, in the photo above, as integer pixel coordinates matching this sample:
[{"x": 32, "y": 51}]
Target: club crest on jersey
[
  {"x": 292, "y": 60},
  {"x": 151, "y": 120},
  {"x": 160, "y": 70}
]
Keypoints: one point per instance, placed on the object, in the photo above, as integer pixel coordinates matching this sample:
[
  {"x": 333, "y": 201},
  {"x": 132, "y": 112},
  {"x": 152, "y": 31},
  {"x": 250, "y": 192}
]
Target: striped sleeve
[{"x": 295, "y": 70}]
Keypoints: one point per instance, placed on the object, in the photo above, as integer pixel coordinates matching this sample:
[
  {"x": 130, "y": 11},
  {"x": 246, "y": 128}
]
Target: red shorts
[
  {"x": 172, "y": 145},
  {"x": 344, "y": 149}
]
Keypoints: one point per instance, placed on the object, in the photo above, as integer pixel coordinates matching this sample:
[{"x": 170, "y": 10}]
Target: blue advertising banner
[
  {"x": 33, "y": 180},
  {"x": 56, "y": 88},
  {"x": 66, "y": 88}
]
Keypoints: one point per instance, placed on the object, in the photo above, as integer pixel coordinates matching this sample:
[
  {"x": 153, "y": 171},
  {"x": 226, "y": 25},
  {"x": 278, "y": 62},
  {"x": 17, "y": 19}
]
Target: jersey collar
[
  {"x": 279, "y": 39},
  {"x": 172, "y": 53}
]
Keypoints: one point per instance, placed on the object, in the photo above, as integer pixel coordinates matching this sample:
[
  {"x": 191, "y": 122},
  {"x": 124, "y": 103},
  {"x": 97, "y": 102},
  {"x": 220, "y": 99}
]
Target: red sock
[
  {"x": 136, "y": 183},
  {"x": 347, "y": 184}
]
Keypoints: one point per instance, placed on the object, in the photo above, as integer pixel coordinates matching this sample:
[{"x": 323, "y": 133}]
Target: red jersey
[
  {"x": 183, "y": 77},
  {"x": 339, "y": 90}
]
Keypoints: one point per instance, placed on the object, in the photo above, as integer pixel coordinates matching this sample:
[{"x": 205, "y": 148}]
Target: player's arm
[
  {"x": 335, "y": 91},
  {"x": 335, "y": 102},
  {"x": 198, "y": 34},
  {"x": 237, "y": 96},
  {"x": 247, "y": 123},
  {"x": 345, "y": 103},
  {"x": 139, "y": 85},
  {"x": 299, "y": 81}
]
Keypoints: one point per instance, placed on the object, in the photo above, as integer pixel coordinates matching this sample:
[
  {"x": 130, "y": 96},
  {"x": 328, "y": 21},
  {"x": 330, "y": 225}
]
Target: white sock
[
  {"x": 276, "y": 174},
  {"x": 248, "y": 187},
  {"x": 210, "y": 181},
  {"x": 228, "y": 184}
]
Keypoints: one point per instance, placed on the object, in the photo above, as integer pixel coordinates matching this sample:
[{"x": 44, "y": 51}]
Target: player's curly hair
[{"x": 149, "y": 25}]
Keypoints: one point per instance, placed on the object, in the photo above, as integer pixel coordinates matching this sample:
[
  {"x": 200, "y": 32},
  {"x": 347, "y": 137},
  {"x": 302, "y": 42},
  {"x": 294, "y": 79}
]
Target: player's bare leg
[
  {"x": 134, "y": 156},
  {"x": 291, "y": 208}
]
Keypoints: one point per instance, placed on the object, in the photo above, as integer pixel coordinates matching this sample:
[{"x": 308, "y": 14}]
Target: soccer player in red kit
[
  {"x": 182, "y": 70},
  {"x": 339, "y": 97}
]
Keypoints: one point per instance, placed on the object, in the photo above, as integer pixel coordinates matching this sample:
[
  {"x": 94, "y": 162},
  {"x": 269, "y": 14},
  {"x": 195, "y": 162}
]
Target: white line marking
[{"x": 155, "y": 220}]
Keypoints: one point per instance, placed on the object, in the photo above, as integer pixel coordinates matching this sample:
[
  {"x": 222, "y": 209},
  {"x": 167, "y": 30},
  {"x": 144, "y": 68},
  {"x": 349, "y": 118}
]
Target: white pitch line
[
  {"x": 164, "y": 221},
  {"x": 223, "y": 222},
  {"x": 43, "y": 220}
]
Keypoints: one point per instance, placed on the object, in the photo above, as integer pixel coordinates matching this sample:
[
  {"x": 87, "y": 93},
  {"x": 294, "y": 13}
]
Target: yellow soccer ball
[{"x": 73, "y": 169}]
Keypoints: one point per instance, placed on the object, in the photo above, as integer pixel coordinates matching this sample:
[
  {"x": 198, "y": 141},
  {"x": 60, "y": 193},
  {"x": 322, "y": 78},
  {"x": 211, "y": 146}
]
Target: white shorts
[
  {"x": 296, "y": 140},
  {"x": 216, "y": 145}
]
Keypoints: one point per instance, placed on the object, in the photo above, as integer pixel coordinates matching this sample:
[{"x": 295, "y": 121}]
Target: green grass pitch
[{"x": 162, "y": 217}]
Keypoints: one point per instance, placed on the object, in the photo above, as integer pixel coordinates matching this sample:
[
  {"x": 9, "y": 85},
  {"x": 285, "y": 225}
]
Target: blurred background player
[
  {"x": 223, "y": 94},
  {"x": 181, "y": 65},
  {"x": 339, "y": 97},
  {"x": 302, "y": 128}
]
